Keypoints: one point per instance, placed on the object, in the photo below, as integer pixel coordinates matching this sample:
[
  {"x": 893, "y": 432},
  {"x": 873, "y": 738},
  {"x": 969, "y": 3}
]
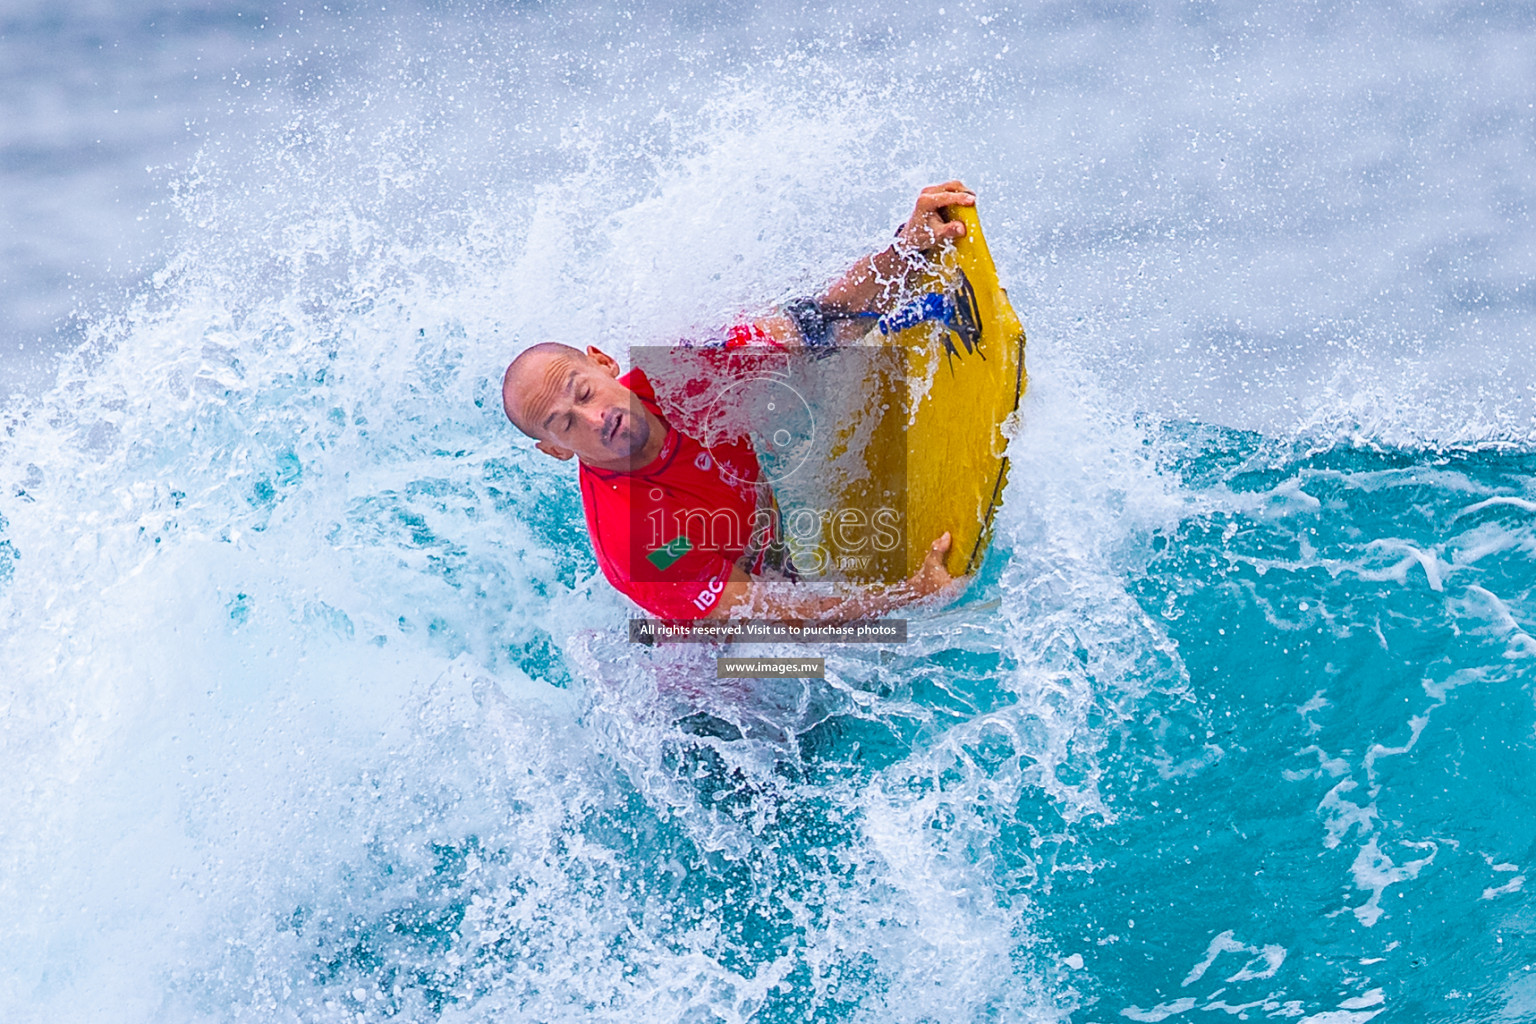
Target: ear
[
  {"x": 603, "y": 359},
  {"x": 554, "y": 451}
]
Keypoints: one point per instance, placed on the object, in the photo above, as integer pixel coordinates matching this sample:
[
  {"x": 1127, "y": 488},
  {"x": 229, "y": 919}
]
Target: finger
[
  {"x": 934, "y": 571},
  {"x": 933, "y": 229},
  {"x": 956, "y": 198},
  {"x": 932, "y": 202}
]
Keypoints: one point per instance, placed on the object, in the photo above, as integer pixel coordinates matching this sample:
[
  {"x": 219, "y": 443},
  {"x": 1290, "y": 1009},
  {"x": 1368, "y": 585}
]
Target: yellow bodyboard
[
  {"x": 931, "y": 433},
  {"x": 955, "y": 463}
]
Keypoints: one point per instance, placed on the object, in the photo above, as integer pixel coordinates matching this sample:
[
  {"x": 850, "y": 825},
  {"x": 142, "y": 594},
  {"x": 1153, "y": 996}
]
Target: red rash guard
[{"x": 668, "y": 534}]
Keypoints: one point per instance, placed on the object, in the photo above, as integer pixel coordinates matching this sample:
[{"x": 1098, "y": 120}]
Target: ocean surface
[{"x": 314, "y": 708}]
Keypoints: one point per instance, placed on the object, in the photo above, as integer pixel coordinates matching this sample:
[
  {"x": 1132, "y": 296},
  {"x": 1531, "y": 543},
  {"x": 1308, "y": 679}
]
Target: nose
[{"x": 593, "y": 417}]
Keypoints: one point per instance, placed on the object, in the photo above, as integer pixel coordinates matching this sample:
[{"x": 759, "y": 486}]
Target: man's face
[{"x": 576, "y": 406}]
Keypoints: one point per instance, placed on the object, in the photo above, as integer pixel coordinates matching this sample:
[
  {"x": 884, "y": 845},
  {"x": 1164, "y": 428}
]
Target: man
[{"x": 639, "y": 473}]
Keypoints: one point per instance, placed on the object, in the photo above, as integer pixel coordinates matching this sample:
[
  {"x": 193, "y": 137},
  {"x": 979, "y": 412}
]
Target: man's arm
[
  {"x": 877, "y": 280},
  {"x": 790, "y": 602}
]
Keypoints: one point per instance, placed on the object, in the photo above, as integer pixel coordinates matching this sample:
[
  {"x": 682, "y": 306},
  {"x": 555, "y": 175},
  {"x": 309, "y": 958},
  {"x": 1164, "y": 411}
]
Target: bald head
[
  {"x": 523, "y": 374},
  {"x": 573, "y": 404}
]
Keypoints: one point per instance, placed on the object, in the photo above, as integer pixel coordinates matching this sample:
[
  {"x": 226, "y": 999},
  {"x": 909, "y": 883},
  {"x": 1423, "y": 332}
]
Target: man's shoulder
[{"x": 639, "y": 383}]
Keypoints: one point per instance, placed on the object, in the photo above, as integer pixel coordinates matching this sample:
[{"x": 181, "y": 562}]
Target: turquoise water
[
  {"x": 315, "y": 709},
  {"x": 1276, "y": 768},
  {"x": 1343, "y": 779}
]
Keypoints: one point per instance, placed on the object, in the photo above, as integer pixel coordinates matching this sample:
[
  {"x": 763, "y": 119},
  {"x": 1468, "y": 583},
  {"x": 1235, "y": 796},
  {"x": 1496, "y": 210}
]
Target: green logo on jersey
[{"x": 667, "y": 555}]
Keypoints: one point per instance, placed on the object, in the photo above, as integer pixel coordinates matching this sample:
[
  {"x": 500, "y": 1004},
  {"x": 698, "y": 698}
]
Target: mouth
[{"x": 612, "y": 427}]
